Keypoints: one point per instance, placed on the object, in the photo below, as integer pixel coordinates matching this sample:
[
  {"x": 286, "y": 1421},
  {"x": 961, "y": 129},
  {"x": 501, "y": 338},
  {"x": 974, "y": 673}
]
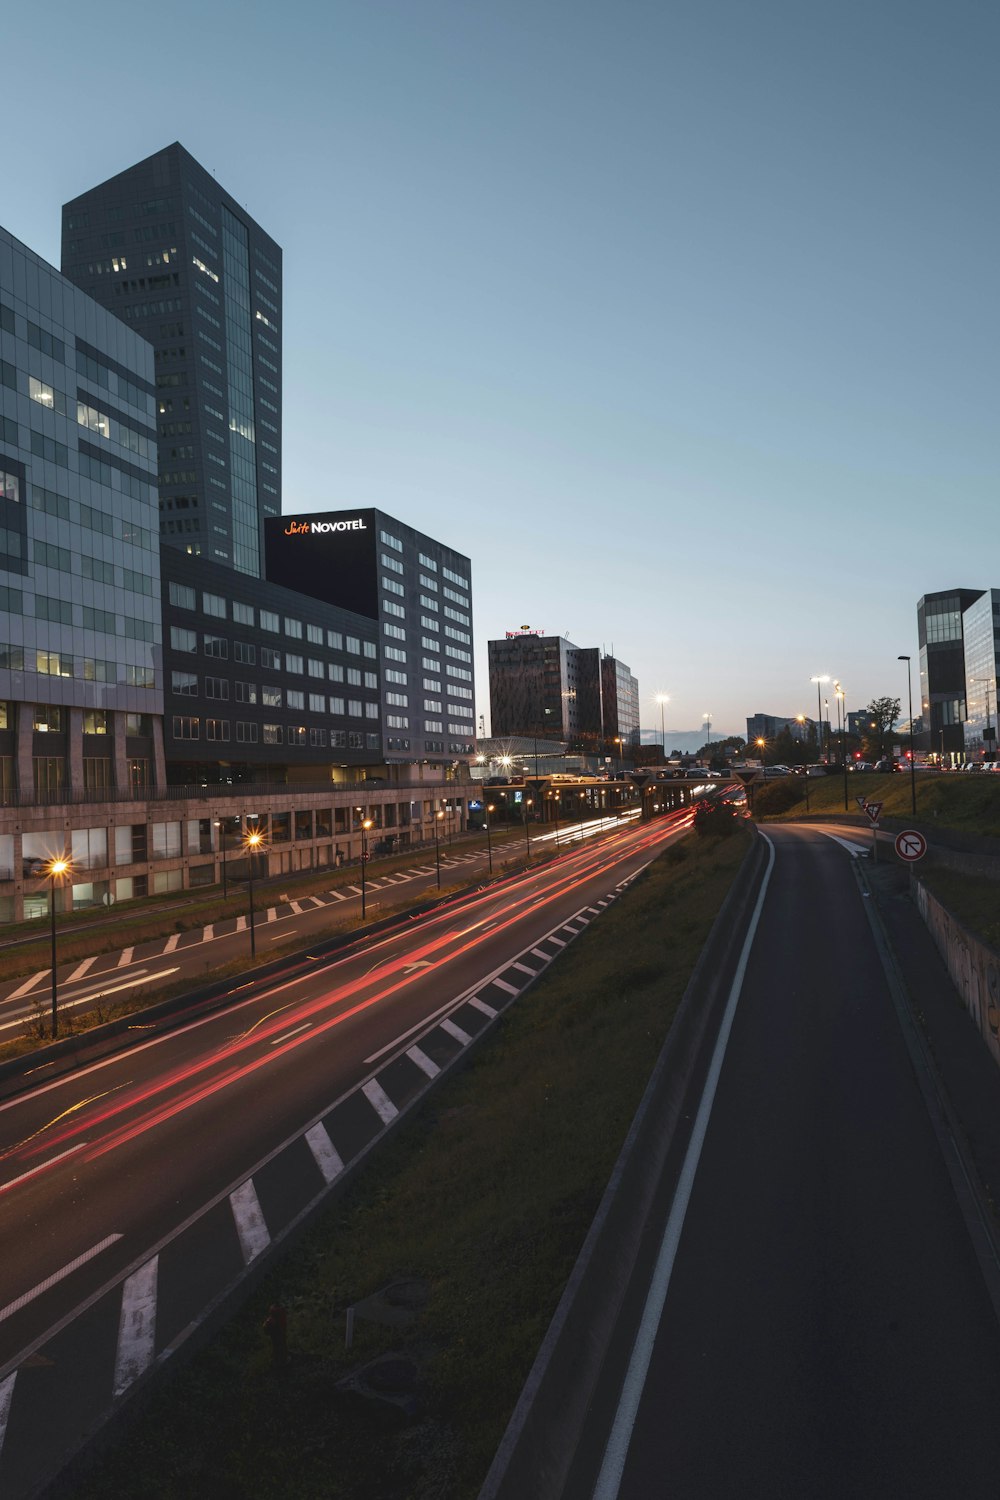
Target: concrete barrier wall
[{"x": 973, "y": 965}]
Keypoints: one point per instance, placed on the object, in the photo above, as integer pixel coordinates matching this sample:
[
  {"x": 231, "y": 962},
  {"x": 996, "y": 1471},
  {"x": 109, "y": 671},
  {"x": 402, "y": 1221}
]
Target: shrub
[
  {"x": 778, "y": 796},
  {"x": 716, "y": 819}
]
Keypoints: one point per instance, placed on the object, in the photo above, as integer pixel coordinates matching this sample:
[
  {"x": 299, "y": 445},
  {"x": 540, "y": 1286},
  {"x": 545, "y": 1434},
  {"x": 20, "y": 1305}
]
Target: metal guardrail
[{"x": 83, "y": 796}]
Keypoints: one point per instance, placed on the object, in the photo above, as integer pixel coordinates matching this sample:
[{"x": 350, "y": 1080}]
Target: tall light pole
[
  {"x": 819, "y": 713},
  {"x": 842, "y": 726},
  {"x": 252, "y": 841},
  {"x": 527, "y": 831},
  {"x": 220, "y": 824},
  {"x": 489, "y": 840},
  {"x": 913, "y": 761},
  {"x": 988, "y": 731},
  {"x": 437, "y": 845},
  {"x": 708, "y": 727},
  {"x": 57, "y": 869},
  {"x": 661, "y": 699},
  {"x": 366, "y": 823}
]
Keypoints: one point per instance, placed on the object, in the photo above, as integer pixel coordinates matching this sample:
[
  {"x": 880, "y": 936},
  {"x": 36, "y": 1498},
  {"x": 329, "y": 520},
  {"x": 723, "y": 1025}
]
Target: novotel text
[{"x": 303, "y": 528}]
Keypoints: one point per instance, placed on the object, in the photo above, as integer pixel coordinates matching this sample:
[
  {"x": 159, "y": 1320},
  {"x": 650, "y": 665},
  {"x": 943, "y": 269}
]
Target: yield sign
[
  {"x": 874, "y": 811},
  {"x": 911, "y": 844},
  {"x": 861, "y": 803}
]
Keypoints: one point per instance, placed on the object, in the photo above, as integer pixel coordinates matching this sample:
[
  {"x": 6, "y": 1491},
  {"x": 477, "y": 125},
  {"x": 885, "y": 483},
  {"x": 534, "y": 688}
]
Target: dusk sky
[{"x": 680, "y": 319}]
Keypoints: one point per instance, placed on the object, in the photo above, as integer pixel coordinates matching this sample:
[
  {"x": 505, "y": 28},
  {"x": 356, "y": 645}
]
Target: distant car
[
  {"x": 860, "y": 765},
  {"x": 695, "y": 773},
  {"x": 974, "y": 765},
  {"x": 771, "y": 773},
  {"x": 497, "y": 781},
  {"x": 815, "y": 770},
  {"x": 886, "y": 765}
]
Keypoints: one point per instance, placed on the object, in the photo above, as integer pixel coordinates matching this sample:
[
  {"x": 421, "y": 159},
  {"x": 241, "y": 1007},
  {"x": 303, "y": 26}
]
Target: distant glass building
[
  {"x": 941, "y": 638},
  {"x": 81, "y": 692},
  {"x": 178, "y": 259},
  {"x": 981, "y": 631},
  {"x": 544, "y": 685}
]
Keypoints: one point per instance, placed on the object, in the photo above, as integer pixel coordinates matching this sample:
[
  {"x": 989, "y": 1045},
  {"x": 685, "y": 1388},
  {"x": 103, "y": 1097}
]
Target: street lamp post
[
  {"x": 437, "y": 822},
  {"x": 57, "y": 868},
  {"x": 252, "y": 840},
  {"x": 988, "y": 731},
  {"x": 913, "y": 762},
  {"x": 489, "y": 840},
  {"x": 365, "y": 825},
  {"x": 526, "y": 804},
  {"x": 819, "y": 712},
  {"x": 842, "y": 730},
  {"x": 661, "y": 699},
  {"x": 220, "y": 824}
]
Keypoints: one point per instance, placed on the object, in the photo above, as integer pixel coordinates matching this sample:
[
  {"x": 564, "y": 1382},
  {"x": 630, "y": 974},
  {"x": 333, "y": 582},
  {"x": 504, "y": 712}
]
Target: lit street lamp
[
  {"x": 365, "y": 825},
  {"x": 819, "y": 715},
  {"x": 913, "y": 762},
  {"x": 56, "y": 870},
  {"x": 252, "y": 840},
  {"x": 437, "y": 845},
  {"x": 526, "y": 804}
]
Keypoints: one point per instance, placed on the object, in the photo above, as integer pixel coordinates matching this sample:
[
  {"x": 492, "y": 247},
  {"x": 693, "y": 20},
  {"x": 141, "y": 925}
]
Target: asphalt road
[
  {"x": 138, "y": 1190},
  {"x": 825, "y": 1330}
]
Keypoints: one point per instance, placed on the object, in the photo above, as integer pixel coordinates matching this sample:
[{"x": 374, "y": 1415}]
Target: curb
[{"x": 541, "y": 1438}]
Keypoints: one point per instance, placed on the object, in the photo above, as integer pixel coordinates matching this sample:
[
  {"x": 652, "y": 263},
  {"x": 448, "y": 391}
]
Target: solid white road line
[
  {"x": 80, "y": 970},
  {"x": 450, "y": 1027},
  {"x": 249, "y": 1219},
  {"x": 424, "y": 1063},
  {"x": 325, "y": 1153},
  {"x": 852, "y": 848},
  {"x": 481, "y": 1005},
  {"x": 4, "y": 1186},
  {"x": 136, "y": 1327},
  {"x": 616, "y": 1452},
  {"x": 29, "y": 984},
  {"x": 6, "y": 1396},
  {"x": 56, "y": 1277},
  {"x": 379, "y": 1101}
]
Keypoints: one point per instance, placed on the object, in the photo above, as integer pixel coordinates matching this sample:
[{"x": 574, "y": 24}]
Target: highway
[
  {"x": 139, "y": 1189},
  {"x": 811, "y": 1319}
]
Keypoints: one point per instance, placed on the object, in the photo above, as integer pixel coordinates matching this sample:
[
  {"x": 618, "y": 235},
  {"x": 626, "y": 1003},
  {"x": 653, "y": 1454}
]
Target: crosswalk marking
[
  {"x": 424, "y": 1063},
  {"x": 29, "y": 984},
  {"x": 326, "y": 1155},
  {"x": 456, "y": 1031},
  {"x": 249, "y": 1219},
  {"x": 136, "y": 1326},
  {"x": 379, "y": 1101},
  {"x": 487, "y": 1010}
]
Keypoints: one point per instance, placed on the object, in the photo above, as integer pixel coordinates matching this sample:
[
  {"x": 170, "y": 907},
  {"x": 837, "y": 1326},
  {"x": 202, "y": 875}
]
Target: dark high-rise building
[
  {"x": 544, "y": 685},
  {"x": 940, "y": 636},
  {"x": 179, "y": 260}
]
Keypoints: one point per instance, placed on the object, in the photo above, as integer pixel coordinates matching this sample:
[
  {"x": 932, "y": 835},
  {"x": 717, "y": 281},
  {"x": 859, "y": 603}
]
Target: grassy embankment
[
  {"x": 483, "y": 1198},
  {"x": 969, "y": 804}
]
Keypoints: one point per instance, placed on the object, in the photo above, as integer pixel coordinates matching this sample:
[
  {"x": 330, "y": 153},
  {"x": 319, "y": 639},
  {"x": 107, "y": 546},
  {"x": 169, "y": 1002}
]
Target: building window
[
  {"x": 354, "y": 708},
  {"x": 246, "y": 732},
  {"x": 293, "y": 629},
  {"x": 270, "y": 697},
  {"x": 297, "y": 735},
  {"x": 183, "y": 597},
  {"x": 214, "y": 604},
  {"x": 393, "y": 563},
  {"x": 217, "y": 687},
  {"x": 217, "y": 646},
  {"x": 337, "y": 706},
  {"x": 246, "y": 692},
  {"x": 292, "y": 663},
  {"x": 269, "y": 621},
  {"x": 47, "y": 718},
  {"x": 427, "y": 562},
  {"x": 353, "y": 645},
  {"x": 273, "y": 734},
  {"x": 216, "y": 729},
  {"x": 391, "y": 541},
  {"x": 242, "y": 613},
  {"x": 185, "y": 729},
  {"x": 184, "y": 684},
  {"x": 270, "y": 659},
  {"x": 245, "y": 652},
  {"x": 335, "y": 640},
  {"x": 295, "y": 699}
]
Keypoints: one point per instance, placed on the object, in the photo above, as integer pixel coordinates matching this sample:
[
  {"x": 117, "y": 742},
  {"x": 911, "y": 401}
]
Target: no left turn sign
[{"x": 911, "y": 845}]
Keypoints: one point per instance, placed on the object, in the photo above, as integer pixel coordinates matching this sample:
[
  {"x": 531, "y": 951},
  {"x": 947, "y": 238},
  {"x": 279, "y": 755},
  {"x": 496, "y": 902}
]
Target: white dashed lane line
[
  {"x": 325, "y": 1153},
  {"x": 57, "y": 1276},
  {"x": 379, "y": 1101},
  {"x": 456, "y": 1031},
  {"x": 249, "y": 1219},
  {"x": 424, "y": 1063},
  {"x": 136, "y": 1327}
]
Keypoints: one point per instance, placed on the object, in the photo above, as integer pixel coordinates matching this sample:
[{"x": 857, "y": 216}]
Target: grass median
[{"x": 479, "y": 1202}]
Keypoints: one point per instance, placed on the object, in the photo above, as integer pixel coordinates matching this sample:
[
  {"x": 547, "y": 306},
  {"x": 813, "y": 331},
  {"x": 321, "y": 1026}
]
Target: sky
[{"x": 679, "y": 318}]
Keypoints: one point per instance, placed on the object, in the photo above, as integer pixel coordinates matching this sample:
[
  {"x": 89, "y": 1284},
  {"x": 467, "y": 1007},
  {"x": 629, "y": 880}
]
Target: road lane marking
[
  {"x": 424, "y": 1063},
  {"x": 249, "y": 1219},
  {"x": 41, "y": 1166},
  {"x": 272, "y": 916},
  {"x": 111, "y": 989},
  {"x": 241, "y": 922},
  {"x": 325, "y": 1153},
  {"x": 126, "y": 958},
  {"x": 379, "y": 1101},
  {"x": 57, "y": 1276},
  {"x": 853, "y": 849},
  {"x": 481, "y": 1005},
  {"x": 6, "y": 1396},
  {"x": 171, "y": 943},
  {"x": 355, "y": 888},
  {"x": 80, "y": 970},
  {"x": 545, "y": 957},
  {"x": 304, "y": 1027},
  {"x": 511, "y": 989},
  {"x": 29, "y": 984},
  {"x": 208, "y": 933},
  {"x": 136, "y": 1327},
  {"x": 293, "y": 906},
  {"x": 616, "y": 1452},
  {"x": 523, "y": 968},
  {"x": 452, "y": 1029}
]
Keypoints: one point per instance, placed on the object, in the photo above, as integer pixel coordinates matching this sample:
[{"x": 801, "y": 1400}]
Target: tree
[{"x": 882, "y": 716}]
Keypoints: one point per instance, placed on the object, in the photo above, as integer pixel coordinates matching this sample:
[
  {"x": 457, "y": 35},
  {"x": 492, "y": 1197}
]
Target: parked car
[
  {"x": 860, "y": 765},
  {"x": 886, "y": 765}
]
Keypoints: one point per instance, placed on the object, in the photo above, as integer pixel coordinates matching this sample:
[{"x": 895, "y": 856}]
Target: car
[
  {"x": 771, "y": 773},
  {"x": 886, "y": 765},
  {"x": 860, "y": 765},
  {"x": 974, "y": 765},
  {"x": 815, "y": 770}
]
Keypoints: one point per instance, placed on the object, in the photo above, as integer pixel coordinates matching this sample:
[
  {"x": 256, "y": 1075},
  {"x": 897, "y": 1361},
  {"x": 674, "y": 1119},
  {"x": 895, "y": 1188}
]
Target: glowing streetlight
[
  {"x": 252, "y": 841},
  {"x": 56, "y": 870},
  {"x": 366, "y": 823}
]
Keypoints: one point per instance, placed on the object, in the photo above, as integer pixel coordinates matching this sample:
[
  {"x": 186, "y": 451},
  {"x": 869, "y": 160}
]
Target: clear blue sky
[{"x": 680, "y": 318}]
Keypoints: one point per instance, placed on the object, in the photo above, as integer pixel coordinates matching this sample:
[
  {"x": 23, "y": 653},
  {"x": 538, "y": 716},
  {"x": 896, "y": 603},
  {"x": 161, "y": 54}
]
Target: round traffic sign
[{"x": 911, "y": 845}]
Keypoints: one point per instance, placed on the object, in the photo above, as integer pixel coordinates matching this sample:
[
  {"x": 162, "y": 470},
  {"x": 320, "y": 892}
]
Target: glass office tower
[{"x": 172, "y": 254}]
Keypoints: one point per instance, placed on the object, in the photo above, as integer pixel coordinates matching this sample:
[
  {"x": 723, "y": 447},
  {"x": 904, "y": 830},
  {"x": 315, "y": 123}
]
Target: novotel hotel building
[{"x": 415, "y": 594}]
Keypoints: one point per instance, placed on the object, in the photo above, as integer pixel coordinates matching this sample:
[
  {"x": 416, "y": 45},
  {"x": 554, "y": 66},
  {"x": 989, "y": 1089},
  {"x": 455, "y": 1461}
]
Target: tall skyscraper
[
  {"x": 544, "y": 685},
  {"x": 941, "y": 638},
  {"x": 179, "y": 260}
]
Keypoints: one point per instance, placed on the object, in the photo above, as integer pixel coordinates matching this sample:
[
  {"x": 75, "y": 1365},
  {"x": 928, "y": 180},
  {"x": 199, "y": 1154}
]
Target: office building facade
[
  {"x": 416, "y": 594},
  {"x": 545, "y": 686},
  {"x": 941, "y": 638},
  {"x": 981, "y": 639},
  {"x": 180, "y": 261}
]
